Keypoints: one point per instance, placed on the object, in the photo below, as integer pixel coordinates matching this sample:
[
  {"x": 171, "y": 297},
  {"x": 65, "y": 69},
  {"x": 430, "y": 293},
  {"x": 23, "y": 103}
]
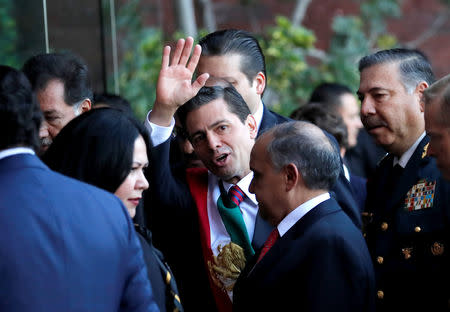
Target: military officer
[{"x": 406, "y": 209}]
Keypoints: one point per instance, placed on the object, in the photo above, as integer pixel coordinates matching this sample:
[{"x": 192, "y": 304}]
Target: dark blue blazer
[
  {"x": 65, "y": 245},
  {"x": 413, "y": 244},
  {"x": 320, "y": 264},
  {"x": 342, "y": 190},
  {"x": 359, "y": 188}
]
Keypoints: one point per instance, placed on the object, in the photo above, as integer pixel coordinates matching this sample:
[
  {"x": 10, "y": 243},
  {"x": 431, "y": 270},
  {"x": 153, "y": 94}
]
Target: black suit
[
  {"x": 341, "y": 190},
  {"x": 320, "y": 264},
  {"x": 410, "y": 248}
]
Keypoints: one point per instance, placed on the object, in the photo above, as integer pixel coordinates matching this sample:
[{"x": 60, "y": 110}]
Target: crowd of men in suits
[{"x": 268, "y": 221}]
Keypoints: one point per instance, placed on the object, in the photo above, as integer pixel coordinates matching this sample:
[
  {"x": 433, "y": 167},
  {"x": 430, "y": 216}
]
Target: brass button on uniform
[
  {"x": 380, "y": 294},
  {"x": 380, "y": 260},
  {"x": 407, "y": 252},
  {"x": 384, "y": 226},
  {"x": 417, "y": 229}
]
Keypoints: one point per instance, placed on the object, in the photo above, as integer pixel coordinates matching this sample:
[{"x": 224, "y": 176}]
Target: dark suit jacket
[
  {"x": 341, "y": 191},
  {"x": 65, "y": 245},
  {"x": 410, "y": 248},
  {"x": 173, "y": 219},
  {"x": 359, "y": 189},
  {"x": 320, "y": 264}
]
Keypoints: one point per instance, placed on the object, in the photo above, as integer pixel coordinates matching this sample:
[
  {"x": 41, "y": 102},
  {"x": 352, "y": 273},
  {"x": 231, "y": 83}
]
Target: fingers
[
  {"x": 177, "y": 53},
  {"x": 186, "y": 51},
  {"x": 199, "y": 82},
  {"x": 165, "y": 57},
  {"x": 194, "y": 58}
]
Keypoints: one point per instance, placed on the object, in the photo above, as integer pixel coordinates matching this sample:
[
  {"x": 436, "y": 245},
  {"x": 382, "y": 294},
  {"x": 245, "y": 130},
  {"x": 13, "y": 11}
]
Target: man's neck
[{"x": 237, "y": 178}]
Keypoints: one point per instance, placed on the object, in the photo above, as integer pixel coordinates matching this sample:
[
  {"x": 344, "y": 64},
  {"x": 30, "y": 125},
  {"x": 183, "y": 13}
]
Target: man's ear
[
  {"x": 292, "y": 176},
  {"x": 260, "y": 81},
  {"x": 85, "y": 105},
  {"x": 419, "y": 94},
  {"x": 251, "y": 124}
]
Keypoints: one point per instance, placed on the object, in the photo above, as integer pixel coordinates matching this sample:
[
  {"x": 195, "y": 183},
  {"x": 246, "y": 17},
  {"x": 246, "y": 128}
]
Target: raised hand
[{"x": 175, "y": 86}]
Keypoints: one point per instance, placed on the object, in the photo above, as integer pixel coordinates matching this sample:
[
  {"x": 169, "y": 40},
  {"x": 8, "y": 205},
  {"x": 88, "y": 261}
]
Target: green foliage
[
  {"x": 294, "y": 66},
  {"x": 141, "y": 59},
  {"x": 285, "y": 49},
  {"x": 9, "y": 35}
]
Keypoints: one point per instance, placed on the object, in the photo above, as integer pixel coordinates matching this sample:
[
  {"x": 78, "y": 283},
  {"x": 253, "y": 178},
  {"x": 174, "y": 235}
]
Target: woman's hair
[{"x": 97, "y": 147}]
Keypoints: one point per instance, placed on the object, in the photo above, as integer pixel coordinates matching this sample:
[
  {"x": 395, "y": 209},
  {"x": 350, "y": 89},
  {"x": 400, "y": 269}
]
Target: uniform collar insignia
[{"x": 425, "y": 149}]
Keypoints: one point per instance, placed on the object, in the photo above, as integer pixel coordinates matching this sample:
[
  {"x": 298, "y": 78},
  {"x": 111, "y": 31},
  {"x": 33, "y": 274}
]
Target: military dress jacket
[{"x": 407, "y": 231}]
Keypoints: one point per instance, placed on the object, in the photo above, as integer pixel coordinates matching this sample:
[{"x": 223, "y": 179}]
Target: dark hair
[
  {"x": 414, "y": 66},
  {"x": 97, "y": 147},
  {"x": 68, "y": 68},
  {"x": 232, "y": 41},
  {"x": 325, "y": 119},
  {"x": 232, "y": 98},
  {"x": 112, "y": 101},
  {"x": 328, "y": 94},
  {"x": 20, "y": 116},
  {"x": 306, "y": 146}
]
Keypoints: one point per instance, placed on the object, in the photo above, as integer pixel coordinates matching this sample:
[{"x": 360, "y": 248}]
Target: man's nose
[{"x": 43, "y": 130}]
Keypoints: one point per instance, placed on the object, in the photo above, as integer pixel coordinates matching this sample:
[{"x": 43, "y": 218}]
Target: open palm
[{"x": 175, "y": 86}]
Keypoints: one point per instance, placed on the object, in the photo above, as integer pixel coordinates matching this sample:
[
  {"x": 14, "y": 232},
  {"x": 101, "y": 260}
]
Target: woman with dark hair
[{"x": 109, "y": 149}]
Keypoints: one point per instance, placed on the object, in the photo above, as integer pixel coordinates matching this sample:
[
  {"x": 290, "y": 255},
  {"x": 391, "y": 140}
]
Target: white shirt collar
[
  {"x": 259, "y": 114},
  {"x": 403, "y": 161},
  {"x": 299, "y": 212},
  {"x": 243, "y": 184},
  {"x": 15, "y": 150}
]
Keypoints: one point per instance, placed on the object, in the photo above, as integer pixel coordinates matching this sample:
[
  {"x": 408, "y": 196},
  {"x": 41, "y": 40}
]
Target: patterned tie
[
  {"x": 269, "y": 243},
  {"x": 228, "y": 206},
  {"x": 236, "y": 195}
]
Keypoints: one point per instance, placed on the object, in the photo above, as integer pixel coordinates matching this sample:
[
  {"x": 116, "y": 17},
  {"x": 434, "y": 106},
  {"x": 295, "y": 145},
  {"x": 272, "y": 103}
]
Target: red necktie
[
  {"x": 236, "y": 194},
  {"x": 269, "y": 243}
]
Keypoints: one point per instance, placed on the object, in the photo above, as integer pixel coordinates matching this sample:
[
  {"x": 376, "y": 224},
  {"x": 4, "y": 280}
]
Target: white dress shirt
[
  {"x": 299, "y": 212},
  {"x": 403, "y": 161}
]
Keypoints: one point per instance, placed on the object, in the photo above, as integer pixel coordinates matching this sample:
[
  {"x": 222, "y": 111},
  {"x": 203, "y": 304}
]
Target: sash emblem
[{"x": 420, "y": 196}]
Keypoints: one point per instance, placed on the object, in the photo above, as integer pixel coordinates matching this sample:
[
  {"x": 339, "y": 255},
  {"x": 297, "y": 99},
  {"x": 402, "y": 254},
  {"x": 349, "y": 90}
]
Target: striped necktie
[
  {"x": 229, "y": 210},
  {"x": 274, "y": 235}
]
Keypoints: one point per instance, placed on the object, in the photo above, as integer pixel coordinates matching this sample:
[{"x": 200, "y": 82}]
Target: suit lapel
[
  {"x": 411, "y": 175},
  {"x": 284, "y": 242},
  {"x": 268, "y": 120},
  {"x": 262, "y": 231}
]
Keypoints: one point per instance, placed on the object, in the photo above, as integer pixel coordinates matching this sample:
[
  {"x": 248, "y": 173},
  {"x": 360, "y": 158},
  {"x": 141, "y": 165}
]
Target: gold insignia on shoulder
[
  {"x": 226, "y": 267},
  {"x": 425, "y": 150},
  {"x": 437, "y": 249},
  {"x": 407, "y": 252}
]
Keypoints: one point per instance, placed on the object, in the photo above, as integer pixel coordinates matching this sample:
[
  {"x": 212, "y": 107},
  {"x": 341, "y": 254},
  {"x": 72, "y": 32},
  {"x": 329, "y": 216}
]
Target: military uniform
[{"x": 407, "y": 232}]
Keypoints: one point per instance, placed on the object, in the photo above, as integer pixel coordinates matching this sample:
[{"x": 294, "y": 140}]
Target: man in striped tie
[{"x": 315, "y": 259}]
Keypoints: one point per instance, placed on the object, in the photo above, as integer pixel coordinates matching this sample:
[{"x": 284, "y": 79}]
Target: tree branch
[
  {"x": 430, "y": 32},
  {"x": 208, "y": 15},
  {"x": 299, "y": 12}
]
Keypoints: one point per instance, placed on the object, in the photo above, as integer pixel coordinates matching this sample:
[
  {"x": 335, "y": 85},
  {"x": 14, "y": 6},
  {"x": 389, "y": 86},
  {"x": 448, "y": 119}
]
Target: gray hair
[
  {"x": 306, "y": 146},
  {"x": 414, "y": 66},
  {"x": 440, "y": 90}
]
